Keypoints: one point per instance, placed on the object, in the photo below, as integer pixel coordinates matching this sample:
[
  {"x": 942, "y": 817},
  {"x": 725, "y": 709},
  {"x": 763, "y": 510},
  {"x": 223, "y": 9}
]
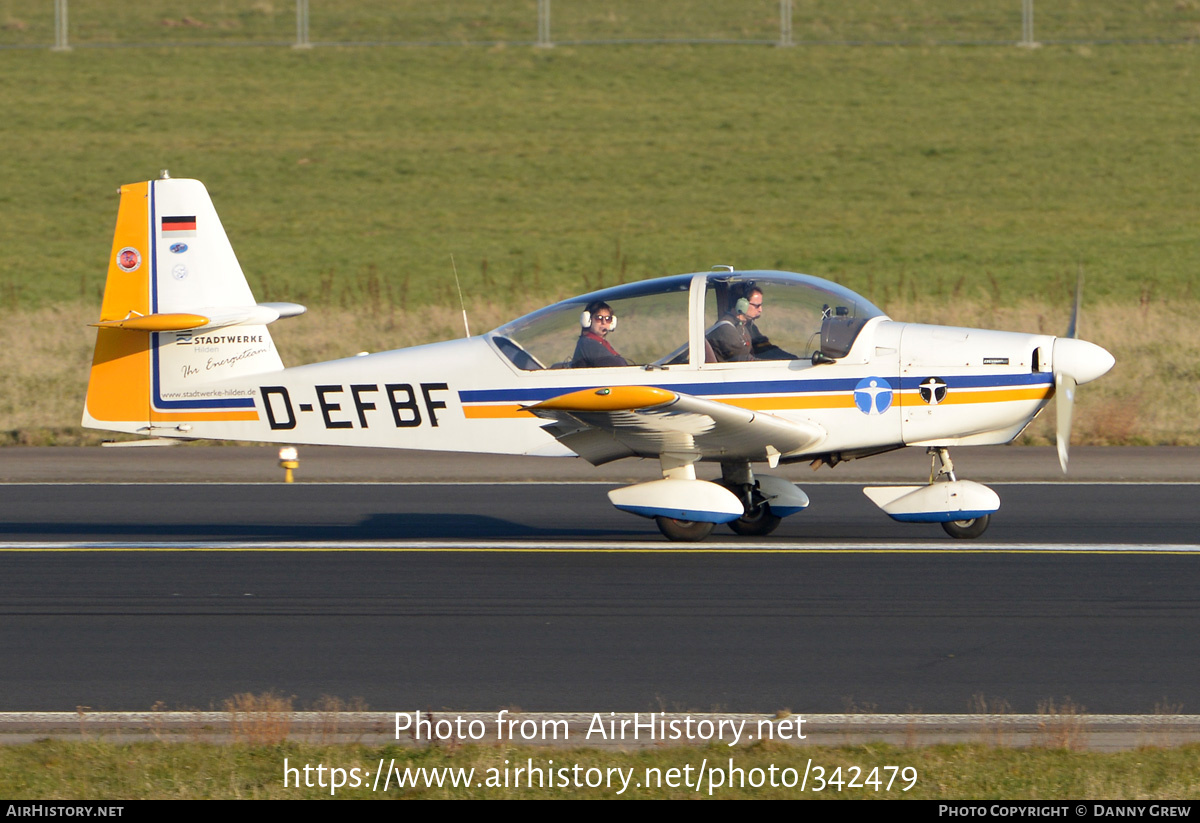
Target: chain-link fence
[{"x": 95, "y": 23}]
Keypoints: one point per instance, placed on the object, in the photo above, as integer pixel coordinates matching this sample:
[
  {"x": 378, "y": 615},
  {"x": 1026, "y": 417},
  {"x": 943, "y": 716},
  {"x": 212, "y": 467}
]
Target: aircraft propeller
[{"x": 1075, "y": 361}]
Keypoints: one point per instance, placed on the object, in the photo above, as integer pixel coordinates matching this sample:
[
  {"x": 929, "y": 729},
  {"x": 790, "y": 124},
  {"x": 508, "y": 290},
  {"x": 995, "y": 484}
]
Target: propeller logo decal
[
  {"x": 932, "y": 390},
  {"x": 873, "y": 395}
]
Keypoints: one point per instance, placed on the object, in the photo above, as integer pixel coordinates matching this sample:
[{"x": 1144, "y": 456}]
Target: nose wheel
[
  {"x": 967, "y": 529},
  {"x": 683, "y": 531},
  {"x": 958, "y": 529}
]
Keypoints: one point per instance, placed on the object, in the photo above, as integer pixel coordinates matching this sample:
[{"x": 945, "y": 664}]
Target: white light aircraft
[{"x": 183, "y": 351}]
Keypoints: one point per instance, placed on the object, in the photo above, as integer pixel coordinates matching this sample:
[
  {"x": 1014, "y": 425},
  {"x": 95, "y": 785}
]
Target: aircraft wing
[{"x": 605, "y": 424}]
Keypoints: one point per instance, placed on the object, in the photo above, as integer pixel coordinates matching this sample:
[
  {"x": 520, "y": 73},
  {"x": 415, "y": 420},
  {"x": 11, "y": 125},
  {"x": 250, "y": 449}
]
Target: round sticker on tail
[{"x": 129, "y": 259}]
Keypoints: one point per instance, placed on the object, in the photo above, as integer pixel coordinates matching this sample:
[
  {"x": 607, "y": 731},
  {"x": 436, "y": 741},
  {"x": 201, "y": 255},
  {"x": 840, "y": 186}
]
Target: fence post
[
  {"x": 1027, "y": 41},
  {"x": 785, "y": 23},
  {"x": 60, "y": 27},
  {"x": 543, "y": 34},
  {"x": 302, "y": 26}
]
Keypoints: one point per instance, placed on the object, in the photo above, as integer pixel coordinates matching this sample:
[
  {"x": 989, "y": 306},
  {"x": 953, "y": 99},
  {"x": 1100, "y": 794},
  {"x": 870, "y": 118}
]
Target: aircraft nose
[{"x": 1080, "y": 359}]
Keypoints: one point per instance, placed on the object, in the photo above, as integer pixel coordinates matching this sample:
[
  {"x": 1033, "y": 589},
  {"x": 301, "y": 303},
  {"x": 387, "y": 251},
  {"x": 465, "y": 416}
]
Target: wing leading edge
[{"x": 606, "y": 424}]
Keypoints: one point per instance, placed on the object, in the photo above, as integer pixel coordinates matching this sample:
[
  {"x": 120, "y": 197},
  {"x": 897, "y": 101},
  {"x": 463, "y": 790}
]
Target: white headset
[{"x": 585, "y": 321}]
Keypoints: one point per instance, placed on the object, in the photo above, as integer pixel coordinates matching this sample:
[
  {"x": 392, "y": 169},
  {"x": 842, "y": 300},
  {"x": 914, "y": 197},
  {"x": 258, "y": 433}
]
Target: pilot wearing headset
[
  {"x": 736, "y": 337},
  {"x": 593, "y": 349},
  {"x": 730, "y": 338}
]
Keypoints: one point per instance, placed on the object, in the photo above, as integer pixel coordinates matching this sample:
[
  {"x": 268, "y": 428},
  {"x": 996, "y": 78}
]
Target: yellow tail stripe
[
  {"x": 119, "y": 388},
  {"x": 184, "y": 417}
]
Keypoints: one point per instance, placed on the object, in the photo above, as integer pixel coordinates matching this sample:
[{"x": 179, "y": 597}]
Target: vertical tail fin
[{"x": 178, "y": 319}]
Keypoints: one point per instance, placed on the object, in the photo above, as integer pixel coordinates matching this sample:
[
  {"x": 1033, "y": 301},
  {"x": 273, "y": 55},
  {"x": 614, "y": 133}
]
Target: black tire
[
  {"x": 758, "y": 524},
  {"x": 683, "y": 531},
  {"x": 967, "y": 529}
]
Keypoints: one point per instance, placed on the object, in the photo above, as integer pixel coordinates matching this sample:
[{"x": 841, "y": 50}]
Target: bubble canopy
[{"x": 670, "y": 321}]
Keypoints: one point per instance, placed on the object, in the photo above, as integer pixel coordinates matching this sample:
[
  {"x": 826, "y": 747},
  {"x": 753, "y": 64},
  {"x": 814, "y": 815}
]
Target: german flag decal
[{"x": 182, "y": 226}]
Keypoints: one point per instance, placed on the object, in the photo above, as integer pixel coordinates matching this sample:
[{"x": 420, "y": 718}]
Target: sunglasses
[{"x": 604, "y": 318}]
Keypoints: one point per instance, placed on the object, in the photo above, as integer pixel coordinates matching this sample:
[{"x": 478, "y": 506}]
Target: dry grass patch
[
  {"x": 993, "y": 714},
  {"x": 333, "y": 716},
  {"x": 1149, "y": 398},
  {"x": 1061, "y": 725},
  {"x": 260, "y": 719}
]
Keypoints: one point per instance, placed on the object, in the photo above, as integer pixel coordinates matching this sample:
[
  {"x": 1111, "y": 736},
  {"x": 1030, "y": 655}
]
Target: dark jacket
[
  {"x": 593, "y": 351},
  {"x": 763, "y": 348},
  {"x": 731, "y": 340}
]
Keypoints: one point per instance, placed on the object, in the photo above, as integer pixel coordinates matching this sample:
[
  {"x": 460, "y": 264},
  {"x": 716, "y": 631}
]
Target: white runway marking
[{"x": 598, "y": 546}]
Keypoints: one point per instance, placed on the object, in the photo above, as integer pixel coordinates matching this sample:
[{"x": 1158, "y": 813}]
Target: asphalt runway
[
  {"x": 1084, "y": 593},
  {"x": 1036, "y": 513}
]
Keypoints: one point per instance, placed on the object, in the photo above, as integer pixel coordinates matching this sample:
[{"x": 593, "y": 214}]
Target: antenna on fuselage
[{"x": 461, "y": 302}]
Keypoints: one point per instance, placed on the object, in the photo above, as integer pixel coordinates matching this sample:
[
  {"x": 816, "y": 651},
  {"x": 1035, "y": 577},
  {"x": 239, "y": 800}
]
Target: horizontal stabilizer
[
  {"x": 172, "y": 321},
  {"x": 205, "y": 319}
]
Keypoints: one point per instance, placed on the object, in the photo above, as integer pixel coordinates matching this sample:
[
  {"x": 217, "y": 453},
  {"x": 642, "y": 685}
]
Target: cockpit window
[
  {"x": 647, "y": 323},
  {"x": 786, "y": 318},
  {"x": 651, "y": 322}
]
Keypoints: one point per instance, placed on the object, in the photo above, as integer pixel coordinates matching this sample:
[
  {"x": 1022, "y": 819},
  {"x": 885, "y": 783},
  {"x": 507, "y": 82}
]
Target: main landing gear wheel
[
  {"x": 967, "y": 529},
  {"x": 758, "y": 523},
  {"x": 684, "y": 531}
]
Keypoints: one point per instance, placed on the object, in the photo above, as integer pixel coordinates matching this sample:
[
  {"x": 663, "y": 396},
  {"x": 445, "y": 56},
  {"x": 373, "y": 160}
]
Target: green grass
[
  {"x": 98, "y": 770},
  {"x": 990, "y": 172},
  {"x": 93, "y": 22}
]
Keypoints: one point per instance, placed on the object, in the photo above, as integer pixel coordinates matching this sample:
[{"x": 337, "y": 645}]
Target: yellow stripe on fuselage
[
  {"x": 495, "y": 412},
  {"x": 793, "y": 401},
  {"x": 912, "y": 398}
]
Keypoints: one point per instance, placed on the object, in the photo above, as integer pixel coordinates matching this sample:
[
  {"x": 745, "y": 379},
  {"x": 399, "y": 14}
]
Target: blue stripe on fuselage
[{"x": 753, "y": 387}]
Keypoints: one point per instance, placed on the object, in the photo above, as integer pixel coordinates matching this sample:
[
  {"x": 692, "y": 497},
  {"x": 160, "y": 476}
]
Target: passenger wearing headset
[{"x": 593, "y": 350}]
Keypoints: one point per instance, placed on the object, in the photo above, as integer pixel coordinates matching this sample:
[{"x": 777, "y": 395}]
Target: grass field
[
  {"x": 175, "y": 771},
  {"x": 24, "y": 23},
  {"x": 943, "y": 183},
  {"x": 980, "y": 171}
]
